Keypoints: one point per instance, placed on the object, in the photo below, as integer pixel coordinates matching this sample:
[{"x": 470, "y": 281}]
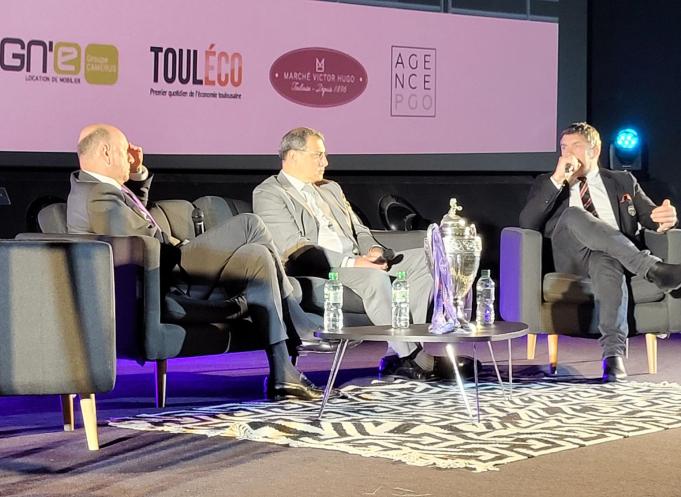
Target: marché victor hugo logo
[
  {"x": 210, "y": 67},
  {"x": 412, "y": 90},
  {"x": 318, "y": 77}
]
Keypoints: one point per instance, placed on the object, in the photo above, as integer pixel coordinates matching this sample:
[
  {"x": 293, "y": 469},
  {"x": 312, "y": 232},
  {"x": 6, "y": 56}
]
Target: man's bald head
[
  {"x": 103, "y": 149},
  {"x": 91, "y": 136}
]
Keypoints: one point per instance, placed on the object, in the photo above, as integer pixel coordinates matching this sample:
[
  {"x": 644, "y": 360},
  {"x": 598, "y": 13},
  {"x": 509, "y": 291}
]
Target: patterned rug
[{"x": 426, "y": 424}]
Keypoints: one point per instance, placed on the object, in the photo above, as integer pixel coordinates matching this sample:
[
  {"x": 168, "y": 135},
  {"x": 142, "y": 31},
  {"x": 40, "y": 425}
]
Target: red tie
[{"x": 586, "y": 196}]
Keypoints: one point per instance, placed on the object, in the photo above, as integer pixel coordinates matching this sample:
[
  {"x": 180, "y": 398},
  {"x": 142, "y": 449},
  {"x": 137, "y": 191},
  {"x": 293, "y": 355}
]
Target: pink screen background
[{"x": 496, "y": 79}]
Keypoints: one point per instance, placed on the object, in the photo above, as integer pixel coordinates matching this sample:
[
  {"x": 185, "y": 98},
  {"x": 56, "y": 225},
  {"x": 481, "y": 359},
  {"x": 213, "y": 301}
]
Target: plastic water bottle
[
  {"x": 400, "y": 301},
  {"x": 484, "y": 297},
  {"x": 333, "y": 303}
]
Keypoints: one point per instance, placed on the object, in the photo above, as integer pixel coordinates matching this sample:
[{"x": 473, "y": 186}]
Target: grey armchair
[
  {"x": 153, "y": 325},
  {"x": 57, "y": 327},
  {"x": 562, "y": 304}
]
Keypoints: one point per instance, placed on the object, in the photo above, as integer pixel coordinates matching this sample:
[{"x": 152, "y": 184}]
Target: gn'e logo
[
  {"x": 66, "y": 58},
  {"x": 99, "y": 63}
]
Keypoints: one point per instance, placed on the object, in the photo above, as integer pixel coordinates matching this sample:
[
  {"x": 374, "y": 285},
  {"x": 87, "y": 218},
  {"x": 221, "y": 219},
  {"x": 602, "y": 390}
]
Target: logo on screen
[
  {"x": 101, "y": 64},
  {"x": 318, "y": 77},
  {"x": 412, "y": 83},
  {"x": 65, "y": 59}
]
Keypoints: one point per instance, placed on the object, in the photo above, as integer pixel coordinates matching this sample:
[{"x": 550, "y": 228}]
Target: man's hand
[
  {"x": 368, "y": 262},
  {"x": 566, "y": 169},
  {"x": 135, "y": 158},
  {"x": 374, "y": 253},
  {"x": 664, "y": 215}
]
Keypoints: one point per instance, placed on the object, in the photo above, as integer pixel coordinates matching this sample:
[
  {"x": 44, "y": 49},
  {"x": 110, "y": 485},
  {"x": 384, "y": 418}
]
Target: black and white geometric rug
[{"x": 426, "y": 424}]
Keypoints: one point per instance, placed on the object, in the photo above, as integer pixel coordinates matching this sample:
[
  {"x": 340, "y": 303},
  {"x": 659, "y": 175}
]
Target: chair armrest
[
  {"x": 666, "y": 246},
  {"x": 400, "y": 240},
  {"x": 520, "y": 276},
  {"x": 138, "y": 289}
]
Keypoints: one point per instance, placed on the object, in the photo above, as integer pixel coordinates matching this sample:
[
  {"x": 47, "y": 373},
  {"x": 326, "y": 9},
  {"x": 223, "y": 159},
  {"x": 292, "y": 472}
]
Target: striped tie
[{"x": 586, "y": 196}]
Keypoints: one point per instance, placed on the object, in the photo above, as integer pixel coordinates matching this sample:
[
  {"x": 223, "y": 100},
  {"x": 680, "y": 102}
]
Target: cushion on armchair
[{"x": 572, "y": 289}]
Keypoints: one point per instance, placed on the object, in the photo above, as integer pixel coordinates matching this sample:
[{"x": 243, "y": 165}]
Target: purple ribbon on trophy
[{"x": 444, "y": 315}]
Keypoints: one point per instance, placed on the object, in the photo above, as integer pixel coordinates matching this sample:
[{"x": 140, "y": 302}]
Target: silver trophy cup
[{"x": 462, "y": 246}]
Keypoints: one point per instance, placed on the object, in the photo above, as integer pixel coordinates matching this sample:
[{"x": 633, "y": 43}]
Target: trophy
[{"x": 462, "y": 247}]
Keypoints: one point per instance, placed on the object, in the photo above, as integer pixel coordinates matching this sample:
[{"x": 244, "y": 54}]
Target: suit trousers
[
  {"x": 375, "y": 289},
  {"x": 586, "y": 246},
  {"x": 239, "y": 256}
]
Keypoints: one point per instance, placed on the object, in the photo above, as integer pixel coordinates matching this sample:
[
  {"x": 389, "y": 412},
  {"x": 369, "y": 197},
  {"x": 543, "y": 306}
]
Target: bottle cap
[
  {"x": 401, "y": 275},
  {"x": 485, "y": 273},
  {"x": 333, "y": 276}
]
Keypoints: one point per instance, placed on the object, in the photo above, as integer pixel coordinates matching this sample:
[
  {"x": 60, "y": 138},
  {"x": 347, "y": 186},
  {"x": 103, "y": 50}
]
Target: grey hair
[
  {"x": 89, "y": 142},
  {"x": 296, "y": 139}
]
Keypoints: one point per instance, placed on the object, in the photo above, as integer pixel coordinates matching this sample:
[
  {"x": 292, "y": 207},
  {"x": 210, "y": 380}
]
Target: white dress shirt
[{"x": 329, "y": 237}]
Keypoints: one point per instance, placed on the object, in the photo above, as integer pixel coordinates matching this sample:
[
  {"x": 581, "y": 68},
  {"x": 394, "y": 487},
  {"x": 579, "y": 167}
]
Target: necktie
[
  {"x": 319, "y": 205},
  {"x": 586, "y": 196},
  {"x": 140, "y": 206}
]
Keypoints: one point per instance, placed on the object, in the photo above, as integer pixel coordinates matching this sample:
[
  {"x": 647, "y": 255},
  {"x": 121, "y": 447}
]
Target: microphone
[
  {"x": 388, "y": 254},
  {"x": 197, "y": 219}
]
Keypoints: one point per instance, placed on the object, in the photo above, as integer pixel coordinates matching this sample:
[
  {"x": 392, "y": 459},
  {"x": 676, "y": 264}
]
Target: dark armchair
[
  {"x": 57, "y": 327},
  {"x": 562, "y": 304},
  {"x": 152, "y": 325}
]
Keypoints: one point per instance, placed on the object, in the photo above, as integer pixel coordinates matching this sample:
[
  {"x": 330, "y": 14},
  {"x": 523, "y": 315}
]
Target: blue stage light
[
  {"x": 626, "y": 150},
  {"x": 627, "y": 140}
]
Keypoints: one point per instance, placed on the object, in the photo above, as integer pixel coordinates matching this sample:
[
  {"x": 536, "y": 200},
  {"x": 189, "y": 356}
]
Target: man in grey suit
[
  {"x": 237, "y": 256},
  {"x": 315, "y": 229},
  {"x": 592, "y": 217}
]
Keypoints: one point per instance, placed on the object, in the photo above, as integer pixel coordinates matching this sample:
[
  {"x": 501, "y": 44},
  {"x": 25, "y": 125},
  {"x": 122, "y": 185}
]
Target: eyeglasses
[{"x": 317, "y": 155}]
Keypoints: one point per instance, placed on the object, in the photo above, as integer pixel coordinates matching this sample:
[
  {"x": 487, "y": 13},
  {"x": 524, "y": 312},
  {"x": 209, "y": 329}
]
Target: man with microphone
[{"x": 592, "y": 217}]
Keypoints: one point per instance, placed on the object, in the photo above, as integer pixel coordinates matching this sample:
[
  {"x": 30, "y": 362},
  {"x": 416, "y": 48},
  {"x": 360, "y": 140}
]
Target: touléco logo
[{"x": 318, "y": 77}]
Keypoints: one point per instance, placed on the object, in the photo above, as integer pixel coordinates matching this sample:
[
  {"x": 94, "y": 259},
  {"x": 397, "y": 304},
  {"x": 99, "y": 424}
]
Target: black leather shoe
[
  {"x": 304, "y": 389},
  {"x": 317, "y": 345},
  {"x": 392, "y": 365},
  {"x": 443, "y": 367},
  {"x": 667, "y": 277},
  {"x": 613, "y": 369}
]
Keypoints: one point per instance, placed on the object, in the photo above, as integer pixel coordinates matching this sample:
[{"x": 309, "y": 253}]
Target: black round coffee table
[{"x": 501, "y": 330}]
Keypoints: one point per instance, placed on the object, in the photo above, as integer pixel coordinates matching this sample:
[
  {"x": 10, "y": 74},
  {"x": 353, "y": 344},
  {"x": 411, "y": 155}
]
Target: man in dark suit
[
  {"x": 238, "y": 255},
  {"x": 592, "y": 217}
]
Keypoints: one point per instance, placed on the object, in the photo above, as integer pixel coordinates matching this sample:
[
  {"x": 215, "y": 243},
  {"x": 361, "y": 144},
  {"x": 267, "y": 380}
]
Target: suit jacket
[
  {"x": 545, "y": 203},
  {"x": 295, "y": 229},
  {"x": 103, "y": 209}
]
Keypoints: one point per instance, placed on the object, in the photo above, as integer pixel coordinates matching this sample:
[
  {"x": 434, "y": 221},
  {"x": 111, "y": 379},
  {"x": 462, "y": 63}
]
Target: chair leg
[
  {"x": 651, "y": 349},
  {"x": 161, "y": 373},
  {"x": 89, "y": 411},
  {"x": 531, "y": 345},
  {"x": 67, "y": 411},
  {"x": 553, "y": 353}
]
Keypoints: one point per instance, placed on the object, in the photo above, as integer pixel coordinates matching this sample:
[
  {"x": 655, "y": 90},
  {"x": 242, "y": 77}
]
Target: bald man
[{"x": 108, "y": 197}]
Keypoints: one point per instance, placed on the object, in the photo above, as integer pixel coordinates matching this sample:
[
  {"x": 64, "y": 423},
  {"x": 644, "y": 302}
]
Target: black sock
[
  {"x": 297, "y": 318},
  {"x": 281, "y": 369}
]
